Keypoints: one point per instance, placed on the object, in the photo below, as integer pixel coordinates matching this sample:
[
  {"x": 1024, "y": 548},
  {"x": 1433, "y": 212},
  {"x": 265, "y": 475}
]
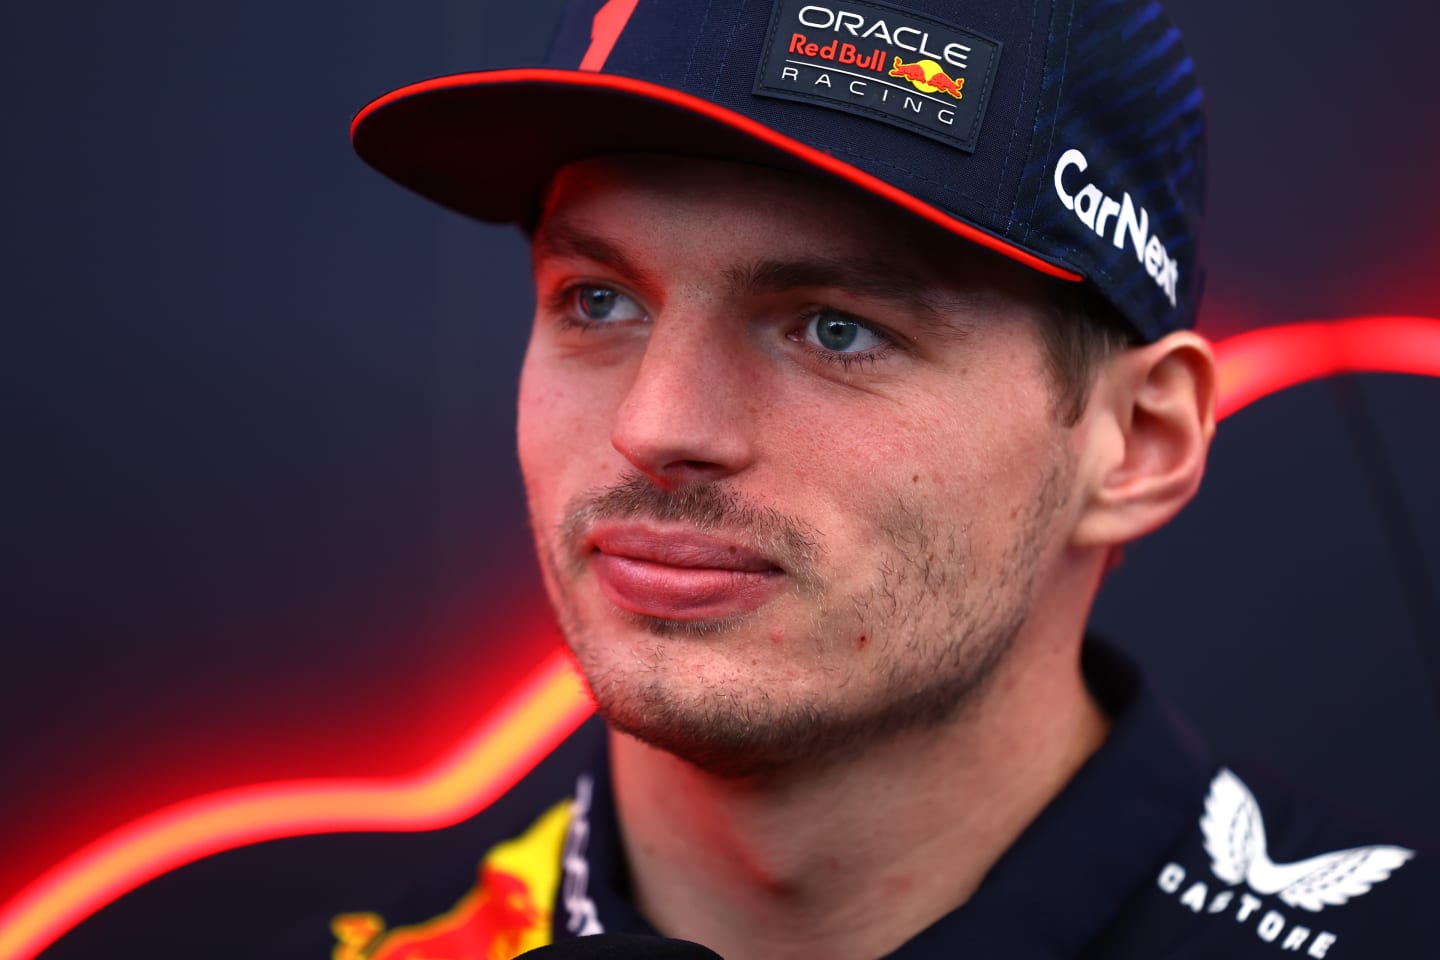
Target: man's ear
[{"x": 1148, "y": 428}]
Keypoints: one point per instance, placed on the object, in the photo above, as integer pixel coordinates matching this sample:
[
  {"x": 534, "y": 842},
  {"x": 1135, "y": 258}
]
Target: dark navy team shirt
[{"x": 1154, "y": 850}]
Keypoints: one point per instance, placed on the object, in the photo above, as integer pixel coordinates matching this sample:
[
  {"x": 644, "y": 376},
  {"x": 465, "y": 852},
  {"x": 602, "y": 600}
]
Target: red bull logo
[
  {"x": 928, "y": 77},
  {"x": 894, "y": 66},
  {"x": 505, "y": 914},
  {"x": 496, "y": 920}
]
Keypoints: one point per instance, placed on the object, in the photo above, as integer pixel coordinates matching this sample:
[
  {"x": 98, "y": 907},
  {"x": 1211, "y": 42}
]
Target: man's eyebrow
[
  {"x": 879, "y": 280},
  {"x": 883, "y": 281},
  {"x": 569, "y": 241}
]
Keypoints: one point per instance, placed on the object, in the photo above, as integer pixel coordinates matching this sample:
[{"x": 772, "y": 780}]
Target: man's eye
[
  {"x": 605, "y": 305},
  {"x": 838, "y": 333}
]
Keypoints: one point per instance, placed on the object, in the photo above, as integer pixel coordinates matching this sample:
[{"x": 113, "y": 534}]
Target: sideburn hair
[{"x": 1080, "y": 330}]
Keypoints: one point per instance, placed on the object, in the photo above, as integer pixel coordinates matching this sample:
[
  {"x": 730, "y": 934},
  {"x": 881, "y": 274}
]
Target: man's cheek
[
  {"x": 554, "y": 423},
  {"x": 893, "y": 458}
]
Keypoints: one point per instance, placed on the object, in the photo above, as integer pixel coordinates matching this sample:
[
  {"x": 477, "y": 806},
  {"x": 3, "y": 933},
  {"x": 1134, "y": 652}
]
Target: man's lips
[{"x": 680, "y": 575}]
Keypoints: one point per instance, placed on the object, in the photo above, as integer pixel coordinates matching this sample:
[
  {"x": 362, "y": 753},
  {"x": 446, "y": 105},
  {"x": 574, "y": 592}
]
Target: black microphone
[{"x": 621, "y": 946}]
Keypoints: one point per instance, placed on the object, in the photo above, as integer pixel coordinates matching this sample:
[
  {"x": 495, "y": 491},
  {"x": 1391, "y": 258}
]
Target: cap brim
[{"x": 487, "y": 144}]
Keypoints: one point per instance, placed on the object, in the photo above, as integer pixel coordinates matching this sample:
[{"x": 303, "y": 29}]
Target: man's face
[{"x": 792, "y": 461}]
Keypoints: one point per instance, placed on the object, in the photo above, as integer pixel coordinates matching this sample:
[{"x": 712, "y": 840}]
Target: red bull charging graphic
[
  {"x": 505, "y": 914},
  {"x": 928, "y": 77}
]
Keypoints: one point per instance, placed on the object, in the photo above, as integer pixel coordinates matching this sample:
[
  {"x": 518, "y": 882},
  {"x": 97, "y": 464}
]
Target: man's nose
[{"x": 688, "y": 416}]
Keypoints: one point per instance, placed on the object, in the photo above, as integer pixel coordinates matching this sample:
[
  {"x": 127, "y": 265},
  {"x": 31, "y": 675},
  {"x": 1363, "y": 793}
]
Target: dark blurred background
[{"x": 261, "y": 512}]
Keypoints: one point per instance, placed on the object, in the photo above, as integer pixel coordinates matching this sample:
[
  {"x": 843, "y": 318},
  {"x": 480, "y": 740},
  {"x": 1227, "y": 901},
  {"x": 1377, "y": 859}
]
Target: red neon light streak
[
  {"x": 550, "y": 703},
  {"x": 545, "y": 708},
  {"x": 1258, "y": 363}
]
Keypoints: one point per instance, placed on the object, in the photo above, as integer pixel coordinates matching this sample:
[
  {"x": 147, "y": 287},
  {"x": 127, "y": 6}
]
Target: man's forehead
[{"x": 796, "y": 230}]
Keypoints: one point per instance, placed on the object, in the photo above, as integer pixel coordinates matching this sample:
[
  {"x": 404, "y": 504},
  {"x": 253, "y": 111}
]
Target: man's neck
[{"x": 849, "y": 860}]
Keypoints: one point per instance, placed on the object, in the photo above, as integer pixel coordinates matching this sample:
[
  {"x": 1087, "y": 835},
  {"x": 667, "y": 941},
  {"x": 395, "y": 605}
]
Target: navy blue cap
[{"x": 1067, "y": 135}]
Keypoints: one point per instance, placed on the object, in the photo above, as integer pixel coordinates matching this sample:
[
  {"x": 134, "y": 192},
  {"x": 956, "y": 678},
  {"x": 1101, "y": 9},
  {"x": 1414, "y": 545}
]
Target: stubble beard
[{"x": 939, "y": 629}]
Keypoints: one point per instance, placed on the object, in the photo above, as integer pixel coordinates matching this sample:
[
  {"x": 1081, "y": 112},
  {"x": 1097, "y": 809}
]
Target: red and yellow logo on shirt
[{"x": 505, "y": 914}]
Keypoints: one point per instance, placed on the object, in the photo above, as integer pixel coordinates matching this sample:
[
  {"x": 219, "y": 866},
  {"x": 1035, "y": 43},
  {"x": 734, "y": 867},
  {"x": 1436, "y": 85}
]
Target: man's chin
[
  {"x": 710, "y": 704},
  {"x": 729, "y": 745}
]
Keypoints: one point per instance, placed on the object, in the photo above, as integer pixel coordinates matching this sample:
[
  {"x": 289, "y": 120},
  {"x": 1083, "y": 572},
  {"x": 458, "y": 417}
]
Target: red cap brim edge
[{"x": 714, "y": 113}]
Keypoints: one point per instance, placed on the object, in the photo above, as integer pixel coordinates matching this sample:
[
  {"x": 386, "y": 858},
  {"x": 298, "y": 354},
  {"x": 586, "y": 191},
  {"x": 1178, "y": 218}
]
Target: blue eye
[
  {"x": 838, "y": 333},
  {"x": 605, "y": 305}
]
